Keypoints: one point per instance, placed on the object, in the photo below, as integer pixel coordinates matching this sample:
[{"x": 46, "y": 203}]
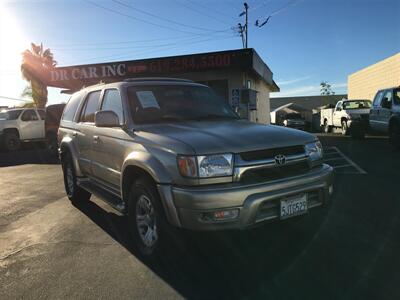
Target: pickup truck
[
  {"x": 21, "y": 125},
  {"x": 170, "y": 154},
  {"x": 385, "y": 114},
  {"x": 351, "y": 116}
]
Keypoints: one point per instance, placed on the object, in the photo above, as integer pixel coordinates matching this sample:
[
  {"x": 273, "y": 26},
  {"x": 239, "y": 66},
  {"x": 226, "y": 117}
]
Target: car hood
[{"x": 229, "y": 136}]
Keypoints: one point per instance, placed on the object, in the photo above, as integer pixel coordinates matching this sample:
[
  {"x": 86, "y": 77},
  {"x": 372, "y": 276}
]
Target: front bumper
[{"x": 257, "y": 203}]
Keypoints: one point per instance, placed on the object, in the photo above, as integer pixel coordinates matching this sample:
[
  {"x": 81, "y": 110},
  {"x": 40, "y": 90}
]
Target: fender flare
[{"x": 67, "y": 144}]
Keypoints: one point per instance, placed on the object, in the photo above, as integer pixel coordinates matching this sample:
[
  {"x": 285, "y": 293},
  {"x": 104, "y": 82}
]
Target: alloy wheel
[{"x": 146, "y": 221}]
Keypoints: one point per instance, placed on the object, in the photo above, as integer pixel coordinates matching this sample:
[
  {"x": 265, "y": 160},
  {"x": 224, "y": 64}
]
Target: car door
[
  {"x": 109, "y": 143},
  {"x": 337, "y": 113},
  {"x": 386, "y": 110},
  {"x": 85, "y": 131},
  {"x": 374, "y": 112},
  {"x": 31, "y": 126}
]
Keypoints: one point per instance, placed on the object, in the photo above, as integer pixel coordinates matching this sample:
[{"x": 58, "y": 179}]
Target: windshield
[
  {"x": 356, "y": 104},
  {"x": 10, "y": 115},
  {"x": 166, "y": 103}
]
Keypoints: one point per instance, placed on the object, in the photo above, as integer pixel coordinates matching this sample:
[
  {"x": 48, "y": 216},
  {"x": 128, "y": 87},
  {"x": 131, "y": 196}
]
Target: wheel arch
[
  {"x": 12, "y": 129},
  {"x": 67, "y": 146}
]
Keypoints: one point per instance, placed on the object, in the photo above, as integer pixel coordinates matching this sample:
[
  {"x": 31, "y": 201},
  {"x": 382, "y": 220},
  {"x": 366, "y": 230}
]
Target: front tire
[
  {"x": 74, "y": 192},
  {"x": 12, "y": 141},
  {"x": 345, "y": 128},
  {"x": 147, "y": 223},
  {"x": 326, "y": 127}
]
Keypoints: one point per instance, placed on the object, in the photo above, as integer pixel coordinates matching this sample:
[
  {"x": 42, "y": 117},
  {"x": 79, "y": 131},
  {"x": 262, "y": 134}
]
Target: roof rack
[{"x": 157, "y": 79}]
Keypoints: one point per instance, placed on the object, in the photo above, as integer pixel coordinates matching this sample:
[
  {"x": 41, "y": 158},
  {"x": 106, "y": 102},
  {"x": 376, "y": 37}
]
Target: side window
[
  {"x": 378, "y": 99},
  {"x": 112, "y": 101},
  {"x": 29, "y": 115},
  {"x": 42, "y": 114},
  {"x": 387, "y": 99},
  {"x": 339, "y": 106},
  {"x": 396, "y": 96},
  {"x": 71, "y": 107},
  {"x": 91, "y": 106}
]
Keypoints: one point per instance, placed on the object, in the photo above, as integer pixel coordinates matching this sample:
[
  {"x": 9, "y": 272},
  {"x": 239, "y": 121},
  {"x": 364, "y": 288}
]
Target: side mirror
[{"x": 106, "y": 118}]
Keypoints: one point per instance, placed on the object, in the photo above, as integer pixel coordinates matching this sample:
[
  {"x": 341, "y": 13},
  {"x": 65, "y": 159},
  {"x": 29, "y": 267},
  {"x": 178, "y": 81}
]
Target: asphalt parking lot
[{"x": 52, "y": 249}]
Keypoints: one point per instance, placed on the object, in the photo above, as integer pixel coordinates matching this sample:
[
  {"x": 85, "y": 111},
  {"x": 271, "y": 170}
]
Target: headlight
[
  {"x": 205, "y": 166},
  {"x": 314, "y": 150}
]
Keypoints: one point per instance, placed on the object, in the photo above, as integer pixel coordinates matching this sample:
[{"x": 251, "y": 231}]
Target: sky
[{"x": 304, "y": 42}]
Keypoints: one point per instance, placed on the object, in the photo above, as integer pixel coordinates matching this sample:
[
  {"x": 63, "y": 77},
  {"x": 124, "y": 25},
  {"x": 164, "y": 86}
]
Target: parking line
[{"x": 357, "y": 167}]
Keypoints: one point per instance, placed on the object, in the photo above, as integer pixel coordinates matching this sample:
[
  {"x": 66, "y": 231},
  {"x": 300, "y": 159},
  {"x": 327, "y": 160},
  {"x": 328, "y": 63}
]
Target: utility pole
[
  {"x": 246, "y": 25},
  {"x": 246, "y": 7}
]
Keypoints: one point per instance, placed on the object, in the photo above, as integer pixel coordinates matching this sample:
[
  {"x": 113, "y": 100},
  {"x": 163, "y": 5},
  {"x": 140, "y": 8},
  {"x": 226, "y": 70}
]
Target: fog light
[
  {"x": 330, "y": 189},
  {"x": 221, "y": 215}
]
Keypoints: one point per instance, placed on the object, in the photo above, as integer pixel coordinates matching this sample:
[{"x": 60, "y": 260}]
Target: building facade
[
  {"x": 365, "y": 83},
  {"x": 240, "y": 77}
]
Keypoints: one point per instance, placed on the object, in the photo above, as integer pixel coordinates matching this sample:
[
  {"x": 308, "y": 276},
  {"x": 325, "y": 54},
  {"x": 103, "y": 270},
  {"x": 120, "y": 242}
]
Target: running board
[{"x": 108, "y": 197}]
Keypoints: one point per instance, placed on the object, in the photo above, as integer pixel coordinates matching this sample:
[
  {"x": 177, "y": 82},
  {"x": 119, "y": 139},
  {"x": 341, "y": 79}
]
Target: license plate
[{"x": 294, "y": 206}]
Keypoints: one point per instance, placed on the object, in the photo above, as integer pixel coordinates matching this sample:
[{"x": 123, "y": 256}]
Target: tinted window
[
  {"x": 387, "y": 99},
  {"x": 10, "y": 115},
  {"x": 396, "y": 96},
  {"x": 42, "y": 114},
  {"x": 29, "y": 115},
  {"x": 378, "y": 99},
  {"x": 91, "y": 106},
  {"x": 112, "y": 101},
  {"x": 71, "y": 107}
]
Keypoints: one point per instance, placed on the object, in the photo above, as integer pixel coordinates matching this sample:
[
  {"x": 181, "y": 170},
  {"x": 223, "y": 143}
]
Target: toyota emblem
[{"x": 280, "y": 159}]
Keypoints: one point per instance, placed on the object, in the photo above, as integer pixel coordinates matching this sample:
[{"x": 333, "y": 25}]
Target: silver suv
[{"x": 169, "y": 153}]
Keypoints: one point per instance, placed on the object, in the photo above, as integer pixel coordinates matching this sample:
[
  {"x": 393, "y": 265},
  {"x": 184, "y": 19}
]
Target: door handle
[{"x": 96, "y": 139}]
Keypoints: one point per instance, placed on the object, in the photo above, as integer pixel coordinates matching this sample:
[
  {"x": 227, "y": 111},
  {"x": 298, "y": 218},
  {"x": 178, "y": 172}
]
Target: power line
[
  {"x": 142, "y": 20},
  {"x": 164, "y": 19},
  {"x": 208, "y": 8},
  {"x": 131, "y": 47},
  {"x": 161, "y": 48},
  {"x": 15, "y": 99},
  {"x": 260, "y": 23},
  {"x": 201, "y": 12}
]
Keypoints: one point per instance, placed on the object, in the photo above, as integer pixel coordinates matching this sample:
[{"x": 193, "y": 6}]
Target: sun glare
[{"x": 12, "y": 44}]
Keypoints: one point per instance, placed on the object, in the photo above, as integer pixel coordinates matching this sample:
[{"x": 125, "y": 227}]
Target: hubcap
[
  {"x": 146, "y": 221},
  {"x": 70, "y": 179}
]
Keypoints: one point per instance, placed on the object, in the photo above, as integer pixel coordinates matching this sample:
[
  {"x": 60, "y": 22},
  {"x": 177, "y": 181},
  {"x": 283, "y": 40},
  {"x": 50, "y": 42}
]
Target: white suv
[{"x": 21, "y": 125}]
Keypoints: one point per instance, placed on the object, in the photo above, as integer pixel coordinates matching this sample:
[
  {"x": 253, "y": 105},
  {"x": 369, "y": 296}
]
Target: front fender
[
  {"x": 148, "y": 163},
  {"x": 67, "y": 144}
]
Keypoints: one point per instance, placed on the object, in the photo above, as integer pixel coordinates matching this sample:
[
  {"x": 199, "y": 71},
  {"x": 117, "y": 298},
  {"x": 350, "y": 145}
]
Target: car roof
[{"x": 143, "y": 81}]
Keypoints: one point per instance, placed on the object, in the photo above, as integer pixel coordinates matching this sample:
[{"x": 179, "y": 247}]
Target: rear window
[{"x": 71, "y": 107}]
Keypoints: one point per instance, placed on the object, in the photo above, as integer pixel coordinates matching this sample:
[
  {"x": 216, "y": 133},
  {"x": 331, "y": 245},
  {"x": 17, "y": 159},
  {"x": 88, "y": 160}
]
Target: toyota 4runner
[{"x": 170, "y": 154}]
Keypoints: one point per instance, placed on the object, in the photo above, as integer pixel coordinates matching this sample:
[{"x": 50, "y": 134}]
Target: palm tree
[{"x": 31, "y": 58}]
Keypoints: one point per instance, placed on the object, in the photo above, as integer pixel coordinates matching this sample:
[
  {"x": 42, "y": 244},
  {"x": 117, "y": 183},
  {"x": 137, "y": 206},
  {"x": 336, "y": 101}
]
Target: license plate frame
[{"x": 293, "y": 206}]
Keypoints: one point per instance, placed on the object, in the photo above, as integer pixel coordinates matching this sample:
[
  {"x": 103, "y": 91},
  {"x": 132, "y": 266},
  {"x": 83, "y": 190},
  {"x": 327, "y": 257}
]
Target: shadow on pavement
[
  {"x": 221, "y": 265},
  {"x": 33, "y": 153}
]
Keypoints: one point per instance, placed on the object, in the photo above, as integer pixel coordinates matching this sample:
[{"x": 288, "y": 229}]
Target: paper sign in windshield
[{"x": 147, "y": 99}]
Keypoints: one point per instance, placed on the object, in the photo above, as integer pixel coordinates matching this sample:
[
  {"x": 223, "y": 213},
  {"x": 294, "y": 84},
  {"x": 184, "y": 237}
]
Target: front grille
[
  {"x": 270, "y": 209},
  {"x": 271, "y": 153},
  {"x": 268, "y": 174}
]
